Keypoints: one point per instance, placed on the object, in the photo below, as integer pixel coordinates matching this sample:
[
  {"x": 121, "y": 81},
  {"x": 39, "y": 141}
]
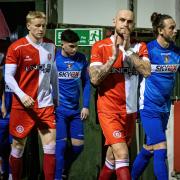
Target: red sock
[
  {"x": 16, "y": 167},
  {"x": 106, "y": 173},
  {"x": 123, "y": 173},
  {"x": 49, "y": 166}
]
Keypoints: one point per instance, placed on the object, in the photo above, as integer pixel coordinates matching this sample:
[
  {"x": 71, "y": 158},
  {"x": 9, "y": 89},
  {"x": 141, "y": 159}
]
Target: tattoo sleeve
[
  {"x": 99, "y": 73},
  {"x": 143, "y": 67}
]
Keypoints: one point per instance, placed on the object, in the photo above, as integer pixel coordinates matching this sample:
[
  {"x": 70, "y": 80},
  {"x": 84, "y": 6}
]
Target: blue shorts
[
  {"x": 154, "y": 125},
  {"x": 69, "y": 124}
]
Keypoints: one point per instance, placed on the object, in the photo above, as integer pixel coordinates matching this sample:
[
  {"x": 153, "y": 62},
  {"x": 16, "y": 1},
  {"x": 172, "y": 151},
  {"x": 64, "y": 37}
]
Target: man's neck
[
  {"x": 163, "y": 43},
  {"x": 34, "y": 40},
  {"x": 64, "y": 53}
]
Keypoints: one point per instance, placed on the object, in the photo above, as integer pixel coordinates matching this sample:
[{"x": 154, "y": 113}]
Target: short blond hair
[{"x": 35, "y": 14}]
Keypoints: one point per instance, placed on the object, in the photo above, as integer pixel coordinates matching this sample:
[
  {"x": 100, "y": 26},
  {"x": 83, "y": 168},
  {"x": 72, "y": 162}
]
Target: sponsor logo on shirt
[
  {"x": 171, "y": 68},
  {"x": 124, "y": 70},
  {"x": 69, "y": 74},
  {"x": 45, "y": 68},
  {"x": 27, "y": 58}
]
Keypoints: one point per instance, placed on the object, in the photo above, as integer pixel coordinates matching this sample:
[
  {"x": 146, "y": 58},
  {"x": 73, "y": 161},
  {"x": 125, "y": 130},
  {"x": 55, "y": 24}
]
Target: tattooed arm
[
  {"x": 135, "y": 60},
  {"x": 142, "y": 66},
  {"x": 99, "y": 72}
]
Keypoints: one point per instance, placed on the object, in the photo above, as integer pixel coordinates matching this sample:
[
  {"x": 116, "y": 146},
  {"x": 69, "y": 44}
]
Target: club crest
[
  {"x": 49, "y": 56},
  {"x": 166, "y": 58}
]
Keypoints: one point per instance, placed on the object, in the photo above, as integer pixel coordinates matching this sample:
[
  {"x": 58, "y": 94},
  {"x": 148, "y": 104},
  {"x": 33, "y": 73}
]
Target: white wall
[
  {"x": 146, "y": 7},
  {"x": 90, "y": 12},
  {"x": 101, "y": 12}
]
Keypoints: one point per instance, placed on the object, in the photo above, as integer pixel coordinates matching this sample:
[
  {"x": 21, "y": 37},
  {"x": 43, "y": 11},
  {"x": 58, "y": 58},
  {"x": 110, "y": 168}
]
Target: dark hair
[
  {"x": 157, "y": 20},
  {"x": 69, "y": 36}
]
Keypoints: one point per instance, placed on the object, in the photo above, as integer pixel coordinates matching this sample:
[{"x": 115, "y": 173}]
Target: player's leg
[
  {"x": 48, "y": 142},
  {"x": 160, "y": 156},
  {"x": 141, "y": 161},
  {"x": 144, "y": 156},
  {"x": 160, "y": 149},
  {"x": 19, "y": 129},
  {"x": 120, "y": 151},
  {"x": 76, "y": 135},
  {"x": 47, "y": 132},
  {"x": 109, "y": 166},
  {"x": 154, "y": 128},
  {"x": 115, "y": 135},
  {"x": 15, "y": 160},
  {"x": 61, "y": 141}
]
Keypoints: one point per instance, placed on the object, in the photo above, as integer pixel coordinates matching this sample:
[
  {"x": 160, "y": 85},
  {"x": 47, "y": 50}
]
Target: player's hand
[
  {"x": 84, "y": 113},
  {"x": 115, "y": 47},
  {"x": 27, "y": 101},
  {"x": 126, "y": 38}
]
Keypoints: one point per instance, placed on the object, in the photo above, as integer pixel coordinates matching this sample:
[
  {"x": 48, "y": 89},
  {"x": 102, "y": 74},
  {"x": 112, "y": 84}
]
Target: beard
[{"x": 170, "y": 39}]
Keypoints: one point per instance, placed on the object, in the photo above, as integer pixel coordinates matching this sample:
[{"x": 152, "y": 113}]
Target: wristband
[{"x": 129, "y": 52}]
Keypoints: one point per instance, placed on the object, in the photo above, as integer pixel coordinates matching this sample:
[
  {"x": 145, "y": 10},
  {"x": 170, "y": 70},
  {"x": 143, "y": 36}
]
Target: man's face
[
  {"x": 69, "y": 49},
  {"x": 124, "y": 22},
  {"x": 37, "y": 28},
  {"x": 169, "y": 31}
]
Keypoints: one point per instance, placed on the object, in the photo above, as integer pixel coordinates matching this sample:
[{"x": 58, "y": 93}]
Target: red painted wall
[{"x": 177, "y": 136}]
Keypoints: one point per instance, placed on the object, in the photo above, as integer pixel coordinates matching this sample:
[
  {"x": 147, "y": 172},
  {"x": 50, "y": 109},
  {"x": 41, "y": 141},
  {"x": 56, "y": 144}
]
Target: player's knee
[
  {"x": 17, "y": 152},
  {"x": 77, "y": 142},
  {"x": 49, "y": 148},
  {"x": 161, "y": 145},
  {"x": 120, "y": 153},
  {"x": 148, "y": 147},
  {"x": 110, "y": 157}
]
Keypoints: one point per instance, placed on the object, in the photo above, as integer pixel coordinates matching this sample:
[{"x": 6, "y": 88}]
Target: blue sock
[
  {"x": 76, "y": 150},
  {"x": 140, "y": 163},
  {"x": 72, "y": 156},
  {"x": 160, "y": 167},
  {"x": 60, "y": 149}
]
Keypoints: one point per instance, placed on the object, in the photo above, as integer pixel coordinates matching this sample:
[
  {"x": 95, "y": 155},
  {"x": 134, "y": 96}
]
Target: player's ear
[
  {"x": 27, "y": 25},
  {"x": 160, "y": 31},
  {"x": 62, "y": 43},
  {"x": 114, "y": 21}
]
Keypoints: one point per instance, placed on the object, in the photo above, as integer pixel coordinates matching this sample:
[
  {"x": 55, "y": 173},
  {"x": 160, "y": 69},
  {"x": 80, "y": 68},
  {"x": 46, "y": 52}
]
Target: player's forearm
[
  {"x": 10, "y": 70},
  {"x": 142, "y": 66},
  {"x": 99, "y": 73}
]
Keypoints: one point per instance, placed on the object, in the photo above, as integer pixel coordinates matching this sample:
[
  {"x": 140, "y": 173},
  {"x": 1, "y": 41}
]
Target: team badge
[
  {"x": 69, "y": 64},
  {"x": 20, "y": 129},
  {"x": 117, "y": 134},
  {"x": 166, "y": 58},
  {"x": 49, "y": 56}
]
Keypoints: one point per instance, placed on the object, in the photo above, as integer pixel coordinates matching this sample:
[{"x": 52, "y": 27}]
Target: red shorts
[
  {"x": 23, "y": 120},
  {"x": 117, "y": 127}
]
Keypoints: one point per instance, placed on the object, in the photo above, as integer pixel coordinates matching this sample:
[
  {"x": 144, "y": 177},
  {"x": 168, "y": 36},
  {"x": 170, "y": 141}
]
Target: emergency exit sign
[{"x": 88, "y": 36}]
